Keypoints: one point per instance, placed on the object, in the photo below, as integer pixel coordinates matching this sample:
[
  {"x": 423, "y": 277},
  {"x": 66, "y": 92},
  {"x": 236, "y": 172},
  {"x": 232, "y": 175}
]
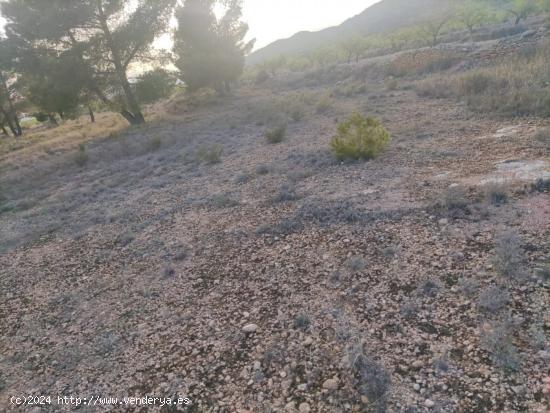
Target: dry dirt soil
[{"x": 278, "y": 279}]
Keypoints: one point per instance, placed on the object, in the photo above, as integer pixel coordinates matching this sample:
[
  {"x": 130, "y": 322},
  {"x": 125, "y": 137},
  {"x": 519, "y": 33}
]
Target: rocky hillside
[
  {"x": 382, "y": 17},
  {"x": 192, "y": 258}
]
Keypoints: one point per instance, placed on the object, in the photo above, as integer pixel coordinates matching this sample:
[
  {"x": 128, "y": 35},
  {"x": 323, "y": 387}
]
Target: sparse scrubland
[{"x": 368, "y": 232}]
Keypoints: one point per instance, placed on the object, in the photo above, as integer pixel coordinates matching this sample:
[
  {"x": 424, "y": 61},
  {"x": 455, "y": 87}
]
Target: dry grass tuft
[
  {"x": 66, "y": 137},
  {"x": 515, "y": 86}
]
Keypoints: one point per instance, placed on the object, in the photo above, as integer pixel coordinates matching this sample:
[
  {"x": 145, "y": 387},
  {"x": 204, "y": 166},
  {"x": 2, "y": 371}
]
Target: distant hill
[{"x": 384, "y": 16}]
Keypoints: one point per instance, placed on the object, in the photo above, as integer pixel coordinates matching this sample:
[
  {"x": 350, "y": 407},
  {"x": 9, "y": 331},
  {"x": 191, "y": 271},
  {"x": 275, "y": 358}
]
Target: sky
[{"x": 270, "y": 20}]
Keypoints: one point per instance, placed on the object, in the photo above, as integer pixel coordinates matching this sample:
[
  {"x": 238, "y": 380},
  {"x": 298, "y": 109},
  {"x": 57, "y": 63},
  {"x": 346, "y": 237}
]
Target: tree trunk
[
  {"x": 92, "y": 116},
  {"x": 61, "y": 115},
  {"x": 129, "y": 117},
  {"x": 133, "y": 105},
  {"x": 17, "y": 125},
  {"x": 12, "y": 115},
  {"x": 52, "y": 119},
  {"x": 3, "y": 128},
  {"x": 9, "y": 121},
  {"x": 518, "y": 19}
]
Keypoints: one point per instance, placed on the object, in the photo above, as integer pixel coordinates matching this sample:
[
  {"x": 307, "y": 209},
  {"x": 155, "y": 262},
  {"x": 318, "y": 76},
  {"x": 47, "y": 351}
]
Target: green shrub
[
  {"x": 154, "y": 86},
  {"x": 324, "y": 104},
  {"x": 359, "y": 138},
  {"x": 210, "y": 154},
  {"x": 350, "y": 88},
  {"x": 154, "y": 143},
  {"x": 81, "y": 157},
  {"x": 297, "y": 111},
  {"x": 276, "y": 135}
]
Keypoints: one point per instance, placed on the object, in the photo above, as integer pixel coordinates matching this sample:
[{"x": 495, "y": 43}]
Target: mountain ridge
[{"x": 384, "y": 16}]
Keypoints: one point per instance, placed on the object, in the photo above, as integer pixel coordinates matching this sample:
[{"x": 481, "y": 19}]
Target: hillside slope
[{"x": 382, "y": 17}]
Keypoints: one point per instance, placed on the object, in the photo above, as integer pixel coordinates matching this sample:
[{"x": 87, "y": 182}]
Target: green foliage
[
  {"x": 354, "y": 47},
  {"x": 210, "y": 51},
  {"x": 210, "y": 154},
  {"x": 96, "y": 39},
  {"x": 51, "y": 87},
  {"x": 324, "y": 104},
  {"x": 520, "y": 9},
  {"x": 154, "y": 143},
  {"x": 276, "y": 135},
  {"x": 154, "y": 86},
  {"x": 544, "y": 6},
  {"x": 359, "y": 138},
  {"x": 434, "y": 28},
  {"x": 350, "y": 88},
  {"x": 472, "y": 14},
  {"x": 81, "y": 157}
]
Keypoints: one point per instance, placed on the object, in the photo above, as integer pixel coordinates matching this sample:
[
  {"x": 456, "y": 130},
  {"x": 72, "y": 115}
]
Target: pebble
[
  {"x": 304, "y": 408},
  {"x": 416, "y": 386},
  {"x": 330, "y": 384},
  {"x": 429, "y": 403},
  {"x": 250, "y": 328},
  {"x": 290, "y": 407},
  {"x": 417, "y": 364}
]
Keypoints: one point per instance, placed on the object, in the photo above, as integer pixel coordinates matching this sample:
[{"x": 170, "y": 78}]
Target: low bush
[
  {"x": 496, "y": 194},
  {"x": 423, "y": 62},
  {"x": 350, "y": 88},
  {"x": 359, "y": 138},
  {"x": 276, "y": 135},
  {"x": 223, "y": 200},
  {"x": 81, "y": 157},
  {"x": 324, "y": 104},
  {"x": 355, "y": 264},
  {"x": 497, "y": 340},
  {"x": 509, "y": 254},
  {"x": 370, "y": 378},
  {"x": 436, "y": 87},
  {"x": 262, "y": 169},
  {"x": 493, "y": 299},
  {"x": 286, "y": 193},
  {"x": 453, "y": 203},
  {"x": 210, "y": 154},
  {"x": 302, "y": 321},
  {"x": 154, "y": 143},
  {"x": 515, "y": 86}
]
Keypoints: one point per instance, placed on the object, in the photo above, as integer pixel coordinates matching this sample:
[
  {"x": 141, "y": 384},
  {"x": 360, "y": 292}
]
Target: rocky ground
[{"x": 279, "y": 280}]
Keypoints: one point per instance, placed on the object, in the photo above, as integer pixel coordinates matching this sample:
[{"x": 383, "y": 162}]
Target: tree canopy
[
  {"x": 210, "y": 51},
  {"x": 100, "y": 39}
]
